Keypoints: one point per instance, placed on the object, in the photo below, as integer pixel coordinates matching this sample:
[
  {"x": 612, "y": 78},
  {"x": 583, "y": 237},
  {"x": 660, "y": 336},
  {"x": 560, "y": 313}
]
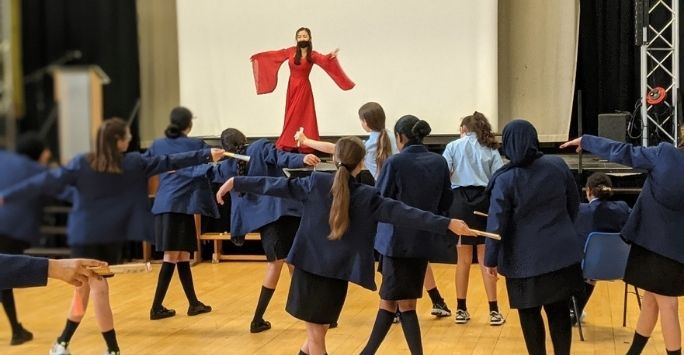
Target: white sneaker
[
  {"x": 60, "y": 348},
  {"x": 107, "y": 352},
  {"x": 462, "y": 316},
  {"x": 495, "y": 318}
]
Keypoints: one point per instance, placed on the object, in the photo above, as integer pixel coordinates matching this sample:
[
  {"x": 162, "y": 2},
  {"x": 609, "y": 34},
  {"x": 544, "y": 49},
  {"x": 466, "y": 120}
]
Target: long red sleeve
[{"x": 265, "y": 66}]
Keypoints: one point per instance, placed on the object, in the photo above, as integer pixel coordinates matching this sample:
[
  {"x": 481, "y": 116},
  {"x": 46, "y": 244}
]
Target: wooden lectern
[{"x": 78, "y": 93}]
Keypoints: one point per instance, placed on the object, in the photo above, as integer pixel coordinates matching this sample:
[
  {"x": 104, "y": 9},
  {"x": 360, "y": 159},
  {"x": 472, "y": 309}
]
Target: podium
[{"x": 78, "y": 94}]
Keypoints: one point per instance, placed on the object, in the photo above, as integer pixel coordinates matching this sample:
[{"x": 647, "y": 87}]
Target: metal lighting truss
[{"x": 660, "y": 67}]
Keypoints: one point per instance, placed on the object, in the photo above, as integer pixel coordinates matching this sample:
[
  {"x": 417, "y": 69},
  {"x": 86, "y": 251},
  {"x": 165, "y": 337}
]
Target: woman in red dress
[{"x": 299, "y": 105}]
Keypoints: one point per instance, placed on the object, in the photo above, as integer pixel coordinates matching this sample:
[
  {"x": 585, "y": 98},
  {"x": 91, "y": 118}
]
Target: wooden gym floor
[{"x": 232, "y": 290}]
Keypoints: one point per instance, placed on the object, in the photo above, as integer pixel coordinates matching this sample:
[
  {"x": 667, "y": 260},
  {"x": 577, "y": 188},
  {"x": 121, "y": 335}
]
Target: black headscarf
[{"x": 520, "y": 146}]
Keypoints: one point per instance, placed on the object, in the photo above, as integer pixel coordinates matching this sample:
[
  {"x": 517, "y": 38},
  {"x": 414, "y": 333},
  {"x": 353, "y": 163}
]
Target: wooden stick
[
  {"x": 122, "y": 269},
  {"x": 486, "y": 234},
  {"x": 478, "y": 213},
  {"x": 237, "y": 156},
  {"x": 301, "y": 130}
]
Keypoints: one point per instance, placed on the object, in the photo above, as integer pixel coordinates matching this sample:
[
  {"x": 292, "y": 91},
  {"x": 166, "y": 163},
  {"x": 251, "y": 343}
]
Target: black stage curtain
[
  {"x": 103, "y": 31},
  {"x": 608, "y": 62}
]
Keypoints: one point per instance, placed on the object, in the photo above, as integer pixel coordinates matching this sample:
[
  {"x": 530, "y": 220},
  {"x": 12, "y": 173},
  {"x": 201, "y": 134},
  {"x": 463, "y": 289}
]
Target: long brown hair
[
  {"x": 234, "y": 141},
  {"x": 374, "y": 116},
  {"x": 298, "y": 55},
  {"x": 349, "y": 152},
  {"x": 107, "y": 157},
  {"x": 478, "y": 124}
]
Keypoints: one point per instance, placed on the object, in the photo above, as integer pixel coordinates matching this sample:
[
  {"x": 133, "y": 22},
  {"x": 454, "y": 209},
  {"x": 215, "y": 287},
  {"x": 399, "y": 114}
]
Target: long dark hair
[
  {"x": 600, "y": 186},
  {"x": 478, "y": 124},
  {"x": 374, "y": 116},
  {"x": 298, "y": 55},
  {"x": 349, "y": 152},
  {"x": 107, "y": 157},
  {"x": 232, "y": 140},
  {"x": 413, "y": 128},
  {"x": 180, "y": 119}
]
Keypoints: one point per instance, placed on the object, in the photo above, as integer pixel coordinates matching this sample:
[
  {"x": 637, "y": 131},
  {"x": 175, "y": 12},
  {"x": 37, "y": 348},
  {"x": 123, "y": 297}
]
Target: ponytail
[
  {"x": 384, "y": 149},
  {"x": 413, "y": 128},
  {"x": 600, "y": 186},
  {"x": 339, "y": 211},
  {"x": 349, "y": 153},
  {"x": 478, "y": 124},
  {"x": 172, "y": 131},
  {"x": 180, "y": 120}
]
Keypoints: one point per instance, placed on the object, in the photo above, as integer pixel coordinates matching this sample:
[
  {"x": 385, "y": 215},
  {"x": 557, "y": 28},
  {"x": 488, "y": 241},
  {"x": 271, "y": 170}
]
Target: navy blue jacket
[
  {"x": 533, "y": 208},
  {"x": 20, "y": 219},
  {"x": 178, "y": 192},
  {"x": 22, "y": 271},
  {"x": 351, "y": 257},
  {"x": 108, "y": 207},
  {"x": 657, "y": 220},
  {"x": 249, "y": 212},
  {"x": 420, "y": 179},
  {"x": 601, "y": 216}
]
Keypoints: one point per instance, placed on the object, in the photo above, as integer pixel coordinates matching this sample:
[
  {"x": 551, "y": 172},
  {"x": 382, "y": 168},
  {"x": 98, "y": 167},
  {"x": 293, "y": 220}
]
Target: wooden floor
[{"x": 232, "y": 289}]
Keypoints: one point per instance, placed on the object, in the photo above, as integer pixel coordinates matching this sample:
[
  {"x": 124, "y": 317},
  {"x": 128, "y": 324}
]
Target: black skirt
[
  {"x": 277, "y": 237},
  {"x": 654, "y": 272},
  {"x": 316, "y": 299},
  {"x": 552, "y": 287},
  {"x": 175, "y": 232},
  {"x": 467, "y": 200},
  {"x": 402, "y": 278},
  {"x": 110, "y": 253}
]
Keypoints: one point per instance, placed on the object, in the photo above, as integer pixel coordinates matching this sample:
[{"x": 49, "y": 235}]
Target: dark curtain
[
  {"x": 607, "y": 61},
  {"x": 103, "y": 31}
]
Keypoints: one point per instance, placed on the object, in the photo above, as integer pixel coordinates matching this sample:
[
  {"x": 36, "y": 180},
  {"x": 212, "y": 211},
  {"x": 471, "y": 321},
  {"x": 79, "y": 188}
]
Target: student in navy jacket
[
  {"x": 598, "y": 215},
  {"x": 420, "y": 179},
  {"x": 20, "y": 221},
  {"x": 110, "y": 207},
  {"x": 277, "y": 219},
  {"x": 179, "y": 197},
  {"x": 29, "y": 271},
  {"x": 334, "y": 243},
  {"x": 533, "y": 205},
  {"x": 654, "y": 227}
]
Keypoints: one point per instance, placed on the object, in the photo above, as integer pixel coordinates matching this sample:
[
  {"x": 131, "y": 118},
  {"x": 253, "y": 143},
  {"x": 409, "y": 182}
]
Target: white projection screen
[{"x": 435, "y": 59}]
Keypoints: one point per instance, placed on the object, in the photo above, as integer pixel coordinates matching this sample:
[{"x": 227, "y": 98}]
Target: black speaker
[{"x": 613, "y": 126}]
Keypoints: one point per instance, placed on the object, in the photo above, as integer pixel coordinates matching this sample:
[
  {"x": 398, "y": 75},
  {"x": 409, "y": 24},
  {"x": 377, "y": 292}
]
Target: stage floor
[{"x": 232, "y": 288}]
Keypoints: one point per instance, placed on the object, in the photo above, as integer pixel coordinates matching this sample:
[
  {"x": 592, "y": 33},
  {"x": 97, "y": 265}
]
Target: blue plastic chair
[{"x": 605, "y": 258}]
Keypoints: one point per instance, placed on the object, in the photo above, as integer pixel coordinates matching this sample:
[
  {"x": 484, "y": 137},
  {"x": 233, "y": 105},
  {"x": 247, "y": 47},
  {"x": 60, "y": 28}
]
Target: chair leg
[
  {"x": 638, "y": 297},
  {"x": 578, "y": 317},
  {"x": 624, "y": 308},
  {"x": 216, "y": 256}
]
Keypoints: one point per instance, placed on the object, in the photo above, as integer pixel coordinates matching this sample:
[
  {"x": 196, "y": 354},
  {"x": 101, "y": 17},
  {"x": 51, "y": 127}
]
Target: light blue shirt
[
  {"x": 470, "y": 163},
  {"x": 372, "y": 147}
]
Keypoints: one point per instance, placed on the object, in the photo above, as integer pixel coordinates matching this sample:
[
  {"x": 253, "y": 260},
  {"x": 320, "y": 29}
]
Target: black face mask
[{"x": 304, "y": 44}]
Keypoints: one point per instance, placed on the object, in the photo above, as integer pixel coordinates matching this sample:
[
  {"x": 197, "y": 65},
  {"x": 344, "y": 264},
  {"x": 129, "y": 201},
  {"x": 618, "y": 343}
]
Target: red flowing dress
[{"x": 299, "y": 105}]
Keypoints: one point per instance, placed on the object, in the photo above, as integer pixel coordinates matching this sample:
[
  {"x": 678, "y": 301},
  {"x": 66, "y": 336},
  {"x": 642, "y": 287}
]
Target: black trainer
[
  {"x": 161, "y": 313},
  {"x": 198, "y": 308},
  {"x": 21, "y": 336},
  {"x": 259, "y": 326}
]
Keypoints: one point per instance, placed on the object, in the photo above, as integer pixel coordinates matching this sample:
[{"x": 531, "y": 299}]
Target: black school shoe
[
  {"x": 161, "y": 313},
  {"x": 21, "y": 336},
  {"x": 259, "y": 326},
  {"x": 198, "y": 308}
]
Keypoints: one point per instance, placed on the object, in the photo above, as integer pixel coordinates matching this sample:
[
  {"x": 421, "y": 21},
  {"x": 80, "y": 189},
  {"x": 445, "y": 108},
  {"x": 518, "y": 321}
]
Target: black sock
[
  {"x": 461, "y": 304},
  {"x": 264, "y": 300},
  {"x": 559, "y": 327},
  {"x": 165, "y": 274},
  {"x": 411, "y": 328},
  {"x": 185, "y": 275},
  {"x": 382, "y": 325},
  {"x": 493, "y": 306},
  {"x": 110, "y": 339},
  {"x": 533, "y": 330},
  {"x": 435, "y": 296},
  {"x": 68, "y": 332},
  {"x": 10, "y": 310},
  {"x": 638, "y": 343},
  {"x": 674, "y": 352}
]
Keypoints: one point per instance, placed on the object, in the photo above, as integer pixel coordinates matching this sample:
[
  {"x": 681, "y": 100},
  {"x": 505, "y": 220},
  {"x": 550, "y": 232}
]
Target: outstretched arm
[
  {"x": 331, "y": 66},
  {"x": 265, "y": 66},
  {"x": 617, "y": 152},
  {"x": 325, "y": 147},
  {"x": 157, "y": 164},
  {"x": 297, "y": 189}
]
